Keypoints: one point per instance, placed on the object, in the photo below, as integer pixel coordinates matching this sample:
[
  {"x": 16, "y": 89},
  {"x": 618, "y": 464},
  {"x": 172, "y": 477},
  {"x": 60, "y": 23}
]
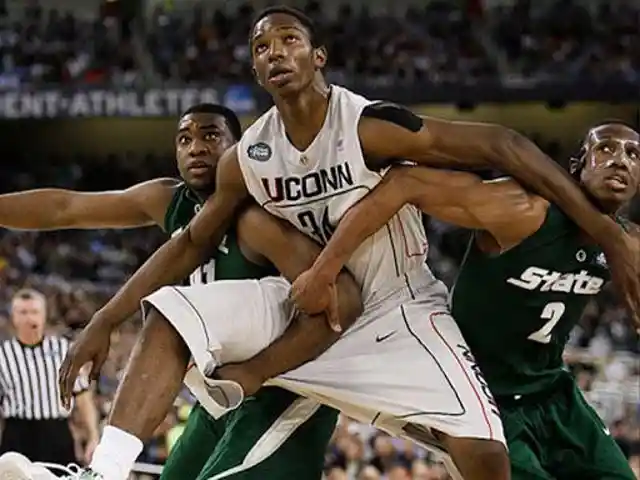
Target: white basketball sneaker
[{"x": 14, "y": 466}]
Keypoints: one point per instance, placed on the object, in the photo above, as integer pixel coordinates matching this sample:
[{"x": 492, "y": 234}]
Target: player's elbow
[
  {"x": 509, "y": 145},
  {"x": 64, "y": 208},
  {"x": 349, "y": 299},
  {"x": 401, "y": 185},
  {"x": 497, "y": 145}
]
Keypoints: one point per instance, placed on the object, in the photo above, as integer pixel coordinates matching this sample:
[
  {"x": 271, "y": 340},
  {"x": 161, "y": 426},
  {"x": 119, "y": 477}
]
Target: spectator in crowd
[{"x": 440, "y": 41}]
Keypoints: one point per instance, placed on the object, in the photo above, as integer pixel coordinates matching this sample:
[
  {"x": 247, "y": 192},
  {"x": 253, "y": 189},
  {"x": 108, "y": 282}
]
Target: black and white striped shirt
[{"x": 29, "y": 379}]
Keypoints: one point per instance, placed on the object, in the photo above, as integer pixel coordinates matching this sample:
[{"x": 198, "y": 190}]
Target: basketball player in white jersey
[{"x": 309, "y": 159}]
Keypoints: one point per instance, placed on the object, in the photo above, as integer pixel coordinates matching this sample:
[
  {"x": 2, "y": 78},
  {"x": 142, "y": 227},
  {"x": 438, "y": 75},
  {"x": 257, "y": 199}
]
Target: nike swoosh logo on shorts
[{"x": 382, "y": 338}]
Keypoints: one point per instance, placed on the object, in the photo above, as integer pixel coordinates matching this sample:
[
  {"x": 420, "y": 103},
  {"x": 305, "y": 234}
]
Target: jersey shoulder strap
[{"x": 180, "y": 209}]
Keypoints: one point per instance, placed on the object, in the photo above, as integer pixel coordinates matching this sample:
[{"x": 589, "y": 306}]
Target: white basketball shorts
[{"x": 404, "y": 361}]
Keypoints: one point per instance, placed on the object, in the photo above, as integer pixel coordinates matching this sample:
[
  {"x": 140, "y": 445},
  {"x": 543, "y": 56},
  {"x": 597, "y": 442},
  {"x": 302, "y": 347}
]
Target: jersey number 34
[
  {"x": 552, "y": 312},
  {"x": 316, "y": 224}
]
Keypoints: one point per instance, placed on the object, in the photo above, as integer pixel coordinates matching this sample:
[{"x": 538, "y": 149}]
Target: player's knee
[
  {"x": 479, "y": 458},
  {"x": 493, "y": 453}
]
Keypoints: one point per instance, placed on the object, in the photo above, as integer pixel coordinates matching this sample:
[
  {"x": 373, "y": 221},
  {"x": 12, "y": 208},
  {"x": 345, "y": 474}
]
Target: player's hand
[
  {"x": 91, "y": 346},
  {"x": 243, "y": 374},
  {"x": 313, "y": 294},
  {"x": 623, "y": 258}
]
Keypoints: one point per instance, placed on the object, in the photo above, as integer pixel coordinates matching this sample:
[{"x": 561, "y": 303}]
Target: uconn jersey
[
  {"x": 314, "y": 188},
  {"x": 404, "y": 360}
]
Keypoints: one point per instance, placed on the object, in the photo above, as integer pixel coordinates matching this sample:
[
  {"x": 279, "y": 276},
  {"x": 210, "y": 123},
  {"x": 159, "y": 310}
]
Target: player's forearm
[
  {"x": 171, "y": 263},
  {"x": 305, "y": 339},
  {"x": 519, "y": 157},
  {"x": 41, "y": 209},
  {"x": 308, "y": 336},
  {"x": 360, "y": 222}
]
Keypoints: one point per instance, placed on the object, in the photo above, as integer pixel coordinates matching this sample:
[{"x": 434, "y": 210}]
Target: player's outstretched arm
[
  {"x": 445, "y": 144},
  {"x": 292, "y": 253},
  {"x": 51, "y": 208},
  {"x": 172, "y": 262},
  {"x": 501, "y": 208},
  {"x": 441, "y": 143}
]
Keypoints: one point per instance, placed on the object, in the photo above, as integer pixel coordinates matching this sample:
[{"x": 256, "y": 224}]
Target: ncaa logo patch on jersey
[
  {"x": 260, "y": 152},
  {"x": 602, "y": 260}
]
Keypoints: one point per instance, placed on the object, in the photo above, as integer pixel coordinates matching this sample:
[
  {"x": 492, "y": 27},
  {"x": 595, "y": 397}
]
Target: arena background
[{"x": 98, "y": 110}]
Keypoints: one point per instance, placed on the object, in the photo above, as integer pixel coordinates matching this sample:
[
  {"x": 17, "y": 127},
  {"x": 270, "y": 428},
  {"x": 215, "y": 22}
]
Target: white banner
[{"x": 161, "y": 102}]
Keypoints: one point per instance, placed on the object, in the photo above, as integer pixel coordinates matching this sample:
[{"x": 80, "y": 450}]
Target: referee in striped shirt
[{"x": 35, "y": 422}]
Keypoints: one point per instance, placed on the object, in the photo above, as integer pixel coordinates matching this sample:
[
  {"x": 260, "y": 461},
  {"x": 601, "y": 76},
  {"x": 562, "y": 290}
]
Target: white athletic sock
[{"x": 115, "y": 454}]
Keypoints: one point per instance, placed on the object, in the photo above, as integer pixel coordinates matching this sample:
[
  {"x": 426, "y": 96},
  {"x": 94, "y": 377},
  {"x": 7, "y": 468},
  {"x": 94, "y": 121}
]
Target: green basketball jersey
[
  {"x": 228, "y": 262},
  {"x": 516, "y": 309}
]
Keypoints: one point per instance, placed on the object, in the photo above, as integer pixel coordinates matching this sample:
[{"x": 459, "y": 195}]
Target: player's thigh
[
  {"x": 214, "y": 319},
  {"x": 194, "y": 447},
  {"x": 411, "y": 363},
  {"x": 274, "y": 435},
  {"x": 525, "y": 448},
  {"x": 584, "y": 447},
  {"x": 525, "y": 465}
]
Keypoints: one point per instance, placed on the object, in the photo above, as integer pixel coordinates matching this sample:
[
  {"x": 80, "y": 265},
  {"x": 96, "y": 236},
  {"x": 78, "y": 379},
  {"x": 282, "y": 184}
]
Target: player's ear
[
  {"x": 576, "y": 163},
  {"x": 573, "y": 165},
  {"x": 320, "y": 57}
]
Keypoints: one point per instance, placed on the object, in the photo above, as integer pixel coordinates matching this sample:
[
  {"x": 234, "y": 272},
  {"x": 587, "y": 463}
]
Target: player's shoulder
[
  {"x": 156, "y": 188},
  {"x": 344, "y": 95},
  {"x": 266, "y": 121},
  {"x": 257, "y": 141},
  {"x": 179, "y": 192}
]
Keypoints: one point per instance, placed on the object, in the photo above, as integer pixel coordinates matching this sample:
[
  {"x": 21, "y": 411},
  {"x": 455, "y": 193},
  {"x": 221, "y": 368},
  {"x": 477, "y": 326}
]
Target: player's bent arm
[
  {"x": 292, "y": 253},
  {"x": 51, "y": 208},
  {"x": 183, "y": 253},
  {"x": 502, "y": 208},
  {"x": 441, "y": 143},
  {"x": 364, "y": 219}
]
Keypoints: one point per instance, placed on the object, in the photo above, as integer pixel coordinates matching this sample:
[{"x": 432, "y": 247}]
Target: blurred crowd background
[
  {"x": 386, "y": 43},
  {"x": 87, "y": 44}
]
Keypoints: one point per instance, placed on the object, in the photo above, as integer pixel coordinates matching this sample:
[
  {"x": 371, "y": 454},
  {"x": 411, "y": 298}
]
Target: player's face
[
  {"x": 284, "y": 61},
  {"x": 201, "y": 139},
  {"x": 612, "y": 164},
  {"x": 28, "y": 315}
]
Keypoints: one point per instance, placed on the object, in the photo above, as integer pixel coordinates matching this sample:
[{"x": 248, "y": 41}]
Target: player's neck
[
  {"x": 611, "y": 209},
  {"x": 304, "y": 114},
  {"x": 204, "y": 193}
]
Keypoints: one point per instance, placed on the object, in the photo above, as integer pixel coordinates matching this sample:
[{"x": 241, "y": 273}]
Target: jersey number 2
[{"x": 552, "y": 312}]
